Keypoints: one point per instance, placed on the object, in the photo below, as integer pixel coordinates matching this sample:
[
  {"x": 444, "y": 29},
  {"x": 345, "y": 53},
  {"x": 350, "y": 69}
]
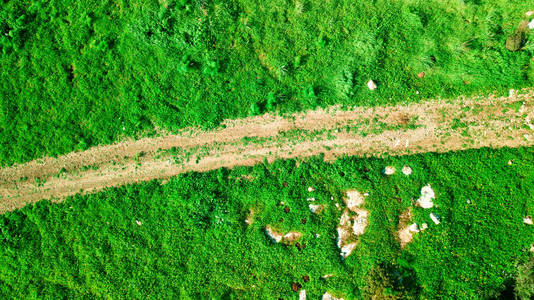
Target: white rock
[
  {"x": 292, "y": 236},
  {"x": 139, "y": 223},
  {"x": 310, "y": 189},
  {"x": 360, "y": 222},
  {"x": 345, "y": 218},
  {"x": 371, "y": 85},
  {"x": 414, "y": 228},
  {"x": 389, "y": 170},
  {"x": 511, "y": 93},
  {"x": 302, "y": 295},
  {"x": 424, "y": 226},
  {"x": 531, "y": 24},
  {"x": 509, "y": 162},
  {"x": 532, "y": 248},
  {"x": 434, "y": 218},
  {"x": 315, "y": 208},
  {"x": 326, "y": 276},
  {"x": 406, "y": 170},
  {"x": 327, "y": 296},
  {"x": 527, "y": 220},
  {"x": 347, "y": 249},
  {"x": 427, "y": 195},
  {"x": 317, "y": 235},
  {"x": 353, "y": 200},
  {"x": 273, "y": 235},
  {"x": 310, "y": 199},
  {"x": 342, "y": 235},
  {"x": 529, "y": 13}
]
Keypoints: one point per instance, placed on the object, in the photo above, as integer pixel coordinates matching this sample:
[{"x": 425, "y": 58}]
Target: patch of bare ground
[{"x": 431, "y": 126}]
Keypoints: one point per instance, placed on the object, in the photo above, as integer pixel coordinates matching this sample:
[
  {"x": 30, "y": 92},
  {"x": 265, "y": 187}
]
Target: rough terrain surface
[{"x": 431, "y": 126}]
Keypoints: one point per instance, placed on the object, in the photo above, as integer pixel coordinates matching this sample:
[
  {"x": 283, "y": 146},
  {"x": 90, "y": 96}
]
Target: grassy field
[
  {"x": 79, "y": 73},
  {"x": 187, "y": 238}
]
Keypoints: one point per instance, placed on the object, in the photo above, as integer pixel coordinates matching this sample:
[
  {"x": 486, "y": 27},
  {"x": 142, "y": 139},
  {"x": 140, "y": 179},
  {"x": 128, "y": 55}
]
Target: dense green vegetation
[
  {"x": 192, "y": 241},
  {"x": 79, "y": 73}
]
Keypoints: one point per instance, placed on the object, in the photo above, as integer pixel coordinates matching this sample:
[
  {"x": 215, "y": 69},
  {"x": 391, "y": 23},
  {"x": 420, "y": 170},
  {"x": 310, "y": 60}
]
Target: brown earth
[{"x": 432, "y": 126}]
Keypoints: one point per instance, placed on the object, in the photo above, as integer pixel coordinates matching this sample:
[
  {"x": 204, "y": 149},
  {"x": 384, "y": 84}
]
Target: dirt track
[{"x": 437, "y": 126}]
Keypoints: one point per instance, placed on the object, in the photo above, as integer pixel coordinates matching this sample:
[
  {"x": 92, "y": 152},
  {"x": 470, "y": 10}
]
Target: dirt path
[{"x": 437, "y": 126}]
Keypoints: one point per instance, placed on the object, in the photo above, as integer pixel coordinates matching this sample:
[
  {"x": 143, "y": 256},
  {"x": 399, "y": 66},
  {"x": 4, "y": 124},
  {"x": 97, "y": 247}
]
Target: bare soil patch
[{"x": 431, "y": 126}]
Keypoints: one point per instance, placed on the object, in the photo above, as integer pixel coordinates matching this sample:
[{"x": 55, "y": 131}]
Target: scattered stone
[
  {"x": 427, "y": 195},
  {"x": 351, "y": 225},
  {"x": 317, "y": 235},
  {"x": 310, "y": 199},
  {"x": 421, "y": 75},
  {"x": 327, "y": 296},
  {"x": 406, "y": 170},
  {"x": 295, "y": 286},
  {"x": 302, "y": 295},
  {"x": 527, "y": 220},
  {"x": 353, "y": 200},
  {"x": 389, "y": 170},
  {"x": 529, "y": 13},
  {"x": 306, "y": 278},
  {"x": 347, "y": 249},
  {"x": 404, "y": 234},
  {"x": 434, "y": 218},
  {"x": 342, "y": 235},
  {"x": 532, "y": 248},
  {"x": 274, "y": 235},
  {"x": 371, "y": 85},
  {"x": 292, "y": 236},
  {"x": 424, "y": 226},
  {"x": 468, "y": 201},
  {"x": 316, "y": 209},
  {"x": 360, "y": 222},
  {"x": 310, "y": 189},
  {"x": 286, "y": 209},
  {"x": 414, "y": 227},
  {"x": 531, "y": 24},
  {"x": 509, "y": 162},
  {"x": 326, "y": 276},
  {"x": 139, "y": 223}
]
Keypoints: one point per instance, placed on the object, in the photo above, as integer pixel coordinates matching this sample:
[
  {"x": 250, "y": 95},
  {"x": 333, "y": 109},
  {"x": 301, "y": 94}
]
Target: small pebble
[{"x": 371, "y": 85}]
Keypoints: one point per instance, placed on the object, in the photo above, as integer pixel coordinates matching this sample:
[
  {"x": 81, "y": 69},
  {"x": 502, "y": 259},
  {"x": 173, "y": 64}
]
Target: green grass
[
  {"x": 193, "y": 242},
  {"x": 79, "y": 73}
]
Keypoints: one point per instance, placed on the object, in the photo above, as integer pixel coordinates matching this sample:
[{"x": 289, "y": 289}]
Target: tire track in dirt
[{"x": 431, "y": 126}]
